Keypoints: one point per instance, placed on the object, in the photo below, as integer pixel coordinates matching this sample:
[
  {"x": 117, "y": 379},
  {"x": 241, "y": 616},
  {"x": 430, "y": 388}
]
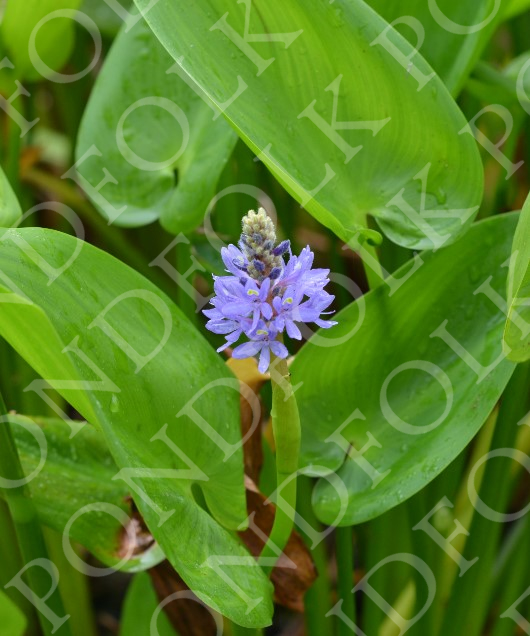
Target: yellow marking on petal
[
  {"x": 289, "y": 300},
  {"x": 262, "y": 332},
  {"x": 252, "y": 292}
]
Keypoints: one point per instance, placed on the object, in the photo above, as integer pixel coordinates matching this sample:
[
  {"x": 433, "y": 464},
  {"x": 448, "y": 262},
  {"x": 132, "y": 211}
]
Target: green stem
[
  {"x": 372, "y": 266},
  {"x": 73, "y": 587},
  {"x": 317, "y": 600},
  {"x": 12, "y": 156},
  {"x": 184, "y": 300},
  {"x": 344, "y": 552},
  {"x": 286, "y": 430},
  {"x": 11, "y": 564},
  {"x": 28, "y": 530}
]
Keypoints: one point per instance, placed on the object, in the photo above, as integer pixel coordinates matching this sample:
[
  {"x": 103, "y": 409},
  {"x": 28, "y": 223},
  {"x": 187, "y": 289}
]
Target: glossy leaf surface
[
  {"x": 154, "y": 135},
  {"x": 397, "y": 379},
  {"x": 133, "y": 378},
  {"x": 75, "y": 474},
  {"x": 359, "y": 137},
  {"x": 517, "y": 330},
  {"x": 10, "y": 210}
]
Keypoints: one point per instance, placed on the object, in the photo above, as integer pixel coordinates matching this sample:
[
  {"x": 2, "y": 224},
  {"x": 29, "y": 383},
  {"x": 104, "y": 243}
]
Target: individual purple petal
[
  {"x": 264, "y": 359},
  {"x": 325, "y": 324},
  {"x": 266, "y": 310},
  {"x": 292, "y": 330},
  {"x": 237, "y": 308},
  {"x": 222, "y": 327},
  {"x": 214, "y": 314},
  {"x": 255, "y": 319},
  {"x": 278, "y": 348},
  {"x": 264, "y": 289},
  {"x": 234, "y": 260},
  {"x": 230, "y": 339},
  {"x": 247, "y": 349}
]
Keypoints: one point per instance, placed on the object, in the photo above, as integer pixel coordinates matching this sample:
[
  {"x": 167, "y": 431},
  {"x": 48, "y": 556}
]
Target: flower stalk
[{"x": 287, "y": 435}]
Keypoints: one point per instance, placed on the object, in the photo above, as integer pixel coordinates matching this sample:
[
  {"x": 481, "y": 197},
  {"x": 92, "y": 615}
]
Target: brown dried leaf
[
  {"x": 189, "y": 617},
  {"x": 136, "y": 538}
]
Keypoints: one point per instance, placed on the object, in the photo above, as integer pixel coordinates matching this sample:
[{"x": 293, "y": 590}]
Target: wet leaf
[
  {"x": 154, "y": 135},
  {"x": 132, "y": 378},
  {"x": 359, "y": 138},
  {"x": 517, "y": 330},
  {"x": 396, "y": 375}
]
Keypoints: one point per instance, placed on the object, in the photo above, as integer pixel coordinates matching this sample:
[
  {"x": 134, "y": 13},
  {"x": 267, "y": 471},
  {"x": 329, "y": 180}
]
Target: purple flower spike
[{"x": 263, "y": 296}]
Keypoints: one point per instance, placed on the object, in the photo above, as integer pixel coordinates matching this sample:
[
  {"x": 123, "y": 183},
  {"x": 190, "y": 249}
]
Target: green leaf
[
  {"x": 133, "y": 397},
  {"x": 78, "y": 473},
  {"x": 307, "y": 64},
  {"x": 30, "y": 34},
  {"x": 365, "y": 372},
  {"x": 10, "y": 210},
  {"x": 517, "y": 330},
  {"x": 516, "y": 7},
  {"x": 452, "y": 40},
  {"x": 140, "y": 604},
  {"x": 11, "y": 618},
  {"x": 146, "y": 123}
]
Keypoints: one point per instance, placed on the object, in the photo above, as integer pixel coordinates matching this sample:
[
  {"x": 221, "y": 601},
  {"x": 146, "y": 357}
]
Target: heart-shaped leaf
[
  {"x": 168, "y": 407},
  {"x": 367, "y": 131},
  {"x": 517, "y": 330},
  {"x": 77, "y": 474},
  {"x": 146, "y": 123},
  {"x": 410, "y": 386},
  {"x": 450, "y": 36}
]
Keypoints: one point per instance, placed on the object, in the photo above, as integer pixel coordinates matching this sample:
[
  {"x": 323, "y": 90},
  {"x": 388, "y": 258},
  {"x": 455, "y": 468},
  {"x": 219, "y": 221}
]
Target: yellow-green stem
[{"x": 286, "y": 430}]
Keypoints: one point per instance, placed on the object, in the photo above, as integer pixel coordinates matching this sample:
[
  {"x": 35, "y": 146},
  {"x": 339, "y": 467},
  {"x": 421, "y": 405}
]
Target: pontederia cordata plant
[{"x": 354, "y": 457}]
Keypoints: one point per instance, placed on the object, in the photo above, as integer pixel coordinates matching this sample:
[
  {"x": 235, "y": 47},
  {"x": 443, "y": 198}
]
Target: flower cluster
[{"x": 263, "y": 296}]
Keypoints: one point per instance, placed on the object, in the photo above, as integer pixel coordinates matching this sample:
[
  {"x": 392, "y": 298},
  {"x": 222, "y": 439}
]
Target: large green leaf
[
  {"x": 75, "y": 474},
  {"x": 398, "y": 330},
  {"x": 393, "y": 151},
  {"x": 12, "y": 619},
  {"x": 10, "y": 210},
  {"x": 517, "y": 330},
  {"x": 135, "y": 381},
  {"x": 165, "y": 127},
  {"x": 31, "y": 31},
  {"x": 454, "y": 34}
]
